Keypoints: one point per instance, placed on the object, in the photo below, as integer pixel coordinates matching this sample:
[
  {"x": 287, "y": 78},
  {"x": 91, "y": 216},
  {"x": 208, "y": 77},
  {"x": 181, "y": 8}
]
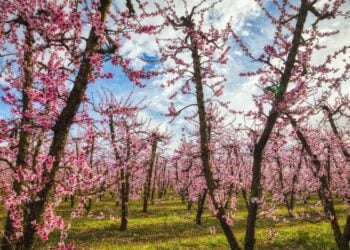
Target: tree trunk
[
  {"x": 285, "y": 194},
  {"x": 294, "y": 181},
  {"x": 147, "y": 188},
  {"x": 189, "y": 205},
  {"x": 229, "y": 197},
  {"x": 24, "y": 135},
  {"x": 72, "y": 201},
  {"x": 204, "y": 146},
  {"x": 88, "y": 205},
  {"x": 124, "y": 200},
  {"x": 100, "y": 197},
  {"x": 255, "y": 190},
  {"x": 245, "y": 197},
  {"x": 200, "y": 209},
  {"x": 154, "y": 181}
]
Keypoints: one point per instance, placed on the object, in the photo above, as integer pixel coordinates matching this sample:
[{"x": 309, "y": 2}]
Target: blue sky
[
  {"x": 247, "y": 21},
  {"x": 120, "y": 84}
]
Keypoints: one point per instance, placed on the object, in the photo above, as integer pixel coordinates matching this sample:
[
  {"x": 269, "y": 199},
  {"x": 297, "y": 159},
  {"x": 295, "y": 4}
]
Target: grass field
[{"x": 169, "y": 225}]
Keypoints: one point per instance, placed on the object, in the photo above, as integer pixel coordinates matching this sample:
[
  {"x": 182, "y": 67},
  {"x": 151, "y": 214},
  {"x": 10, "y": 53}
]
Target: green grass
[{"x": 169, "y": 225}]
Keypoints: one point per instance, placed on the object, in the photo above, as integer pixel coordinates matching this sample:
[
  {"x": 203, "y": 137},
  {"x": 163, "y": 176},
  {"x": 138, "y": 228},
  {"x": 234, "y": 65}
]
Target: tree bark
[
  {"x": 189, "y": 205},
  {"x": 24, "y": 134},
  {"x": 155, "y": 174},
  {"x": 200, "y": 208},
  {"x": 147, "y": 188},
  {"x": 255, "y": 190},
  {"x": 124, "y": 200},
  {"x": 204, "y": 146},
  {"x": 72, "y": 203},
  {"x": 125, "y": 174}
]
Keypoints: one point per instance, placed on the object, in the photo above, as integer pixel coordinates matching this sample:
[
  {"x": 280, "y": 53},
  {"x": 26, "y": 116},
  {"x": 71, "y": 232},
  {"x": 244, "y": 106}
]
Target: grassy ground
[{"x": 169, "y": 225}]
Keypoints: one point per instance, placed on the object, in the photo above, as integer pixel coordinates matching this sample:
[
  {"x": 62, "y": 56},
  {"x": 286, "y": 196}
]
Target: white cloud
[{"x": 238, "y": 90}]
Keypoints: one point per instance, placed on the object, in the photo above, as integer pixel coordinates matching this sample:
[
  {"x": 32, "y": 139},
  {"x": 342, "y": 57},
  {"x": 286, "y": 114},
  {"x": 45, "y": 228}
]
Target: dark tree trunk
[
  {"x": 162, "y": 182},
  {"x": 112, "y": 195},
  {"x": 91, "y": 163},
  {"x": 124, "y": 201},
  {"x": 147, "y": 188},
  {"x": 245, "y": 197},
  {"x": 255, "y": 190},
  {"x": 72, "y": 201},
  {"x": 166, "y": 182},
  {"x": 285, "y": 194},
  {"x": 189, "y": 205},
  {"x": 229, "y": 197},
  {"x": 201, "y": 204},
  {"x": 125, "y": 175},
  {"x": 183, "y": 198},
  {"x": 24, "y": 135},
  {"x": 154, "y": 181},
  {"x": 88, "y": 205},
  {"x": 116, "y": 157},
  {"x": 291, "y": 203},
  {"x": 204, "y": 146},
  {"x": 100, "y": 197},
  {"x": 294, "y": 181}
]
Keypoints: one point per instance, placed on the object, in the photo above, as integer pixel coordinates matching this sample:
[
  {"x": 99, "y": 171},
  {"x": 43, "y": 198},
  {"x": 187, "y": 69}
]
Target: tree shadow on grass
[
  {"x": 141, "y": 233},
  {"x": 171, "y": 223},
  {"x": 135, "y": 235}
]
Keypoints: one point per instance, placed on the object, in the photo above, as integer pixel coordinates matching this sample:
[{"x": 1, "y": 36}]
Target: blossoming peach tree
[{"x": 51, "y": 51}]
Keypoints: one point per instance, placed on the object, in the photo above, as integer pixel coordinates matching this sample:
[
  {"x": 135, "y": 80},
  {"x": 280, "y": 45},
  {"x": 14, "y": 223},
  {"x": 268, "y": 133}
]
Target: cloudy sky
[
  {"x": 246, "y": 19},
  {"x": 253, "y": 27}
]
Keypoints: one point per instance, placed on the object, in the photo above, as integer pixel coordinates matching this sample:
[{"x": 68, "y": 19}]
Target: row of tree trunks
[{"x": 342, "y": 238}]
